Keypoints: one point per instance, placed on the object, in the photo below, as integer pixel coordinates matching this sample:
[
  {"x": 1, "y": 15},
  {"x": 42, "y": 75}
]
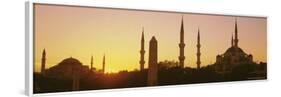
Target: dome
[
  {"x": 65, "y": 68},
  {"x": 232, "y": 50},
  {"x": 70, "y": 61}
]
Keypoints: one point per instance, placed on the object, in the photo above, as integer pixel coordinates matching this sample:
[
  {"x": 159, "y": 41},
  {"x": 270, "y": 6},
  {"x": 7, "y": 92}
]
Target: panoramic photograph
[{"x": 78, "y": 48}]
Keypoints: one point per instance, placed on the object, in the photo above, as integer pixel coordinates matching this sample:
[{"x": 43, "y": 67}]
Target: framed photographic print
[{"x": 74, "y": 48}]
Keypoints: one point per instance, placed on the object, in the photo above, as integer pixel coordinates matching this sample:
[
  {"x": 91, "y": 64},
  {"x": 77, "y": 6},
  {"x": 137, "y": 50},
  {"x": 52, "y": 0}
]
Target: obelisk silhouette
[{"x": 152, "y": 63}]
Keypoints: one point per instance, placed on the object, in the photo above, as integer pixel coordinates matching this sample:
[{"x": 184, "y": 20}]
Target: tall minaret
[
  {"x": 92, "y": 63},
  {"x": 142, "y": 51},
  {"x": 198, "y": 50},
  {"x": 236, "y": 34},
  {"x": 103, "y": 64},
  {"x": 181, "y": 45},
  {"x": 43, "y": 62},
  {"x": 152, "y": 79}
]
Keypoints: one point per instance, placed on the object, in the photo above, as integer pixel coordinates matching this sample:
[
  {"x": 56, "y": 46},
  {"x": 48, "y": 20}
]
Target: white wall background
[{"x": 12, "y": 48}]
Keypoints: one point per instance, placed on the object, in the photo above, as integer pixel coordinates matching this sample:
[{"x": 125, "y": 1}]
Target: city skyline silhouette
[
  {"x": 97, "y": 31},
  {"x": 79, "y": 49}
]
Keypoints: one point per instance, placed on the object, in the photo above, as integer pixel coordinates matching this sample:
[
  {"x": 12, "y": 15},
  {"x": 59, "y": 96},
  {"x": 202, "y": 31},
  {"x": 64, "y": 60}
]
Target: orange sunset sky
[{"x": 80, "y": 32}]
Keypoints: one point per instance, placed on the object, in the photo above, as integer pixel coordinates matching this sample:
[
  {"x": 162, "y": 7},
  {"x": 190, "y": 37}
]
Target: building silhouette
[
  {"x": 152, "y": 63},
  {"x": 181, "y": 45},
  {"x": 198, "y": 50},
  {"x": 43, "y": 62},
  {"x": 103, "y": 64},
  {"x": 233, "y": 56},
  {"x": 142, "y": 51},
  {"x": 67, "y": 68}
]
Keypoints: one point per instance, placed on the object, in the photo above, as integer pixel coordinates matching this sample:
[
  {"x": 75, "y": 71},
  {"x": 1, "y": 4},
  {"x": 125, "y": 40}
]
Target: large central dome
[
  {"x": 66, "y": 68},
  {"x": 70, "y": 61},
  {"x": 234, "y": 50}
]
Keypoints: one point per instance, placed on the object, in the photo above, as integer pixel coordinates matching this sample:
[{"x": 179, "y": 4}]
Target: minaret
[
  {"x": 236, "y": 34},
  {"x": 43, "y": 62},
  {"x": 232, "y": 41},
  {"x": 152, "y": 63},
  {"x": 103, "y": 64},
  {"x": 181, "y": 45},
  {"x": 198, "y": 50},
  {"x": 92, "y": 63},
  {"x": 142, "y": 51}
]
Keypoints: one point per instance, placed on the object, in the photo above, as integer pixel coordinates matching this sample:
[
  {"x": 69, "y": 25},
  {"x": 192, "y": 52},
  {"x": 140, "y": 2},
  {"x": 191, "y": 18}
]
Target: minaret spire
[
  {"x": 142, "y": 51},
  {"x": 92, "y": 62},
  {"x": 181, "y": 45},
  {"x": 43, "y": 62},
  {"x": 236, "y": 34},
  {"x": 182, "y": 31},
  {"x": 103, "y": 64},
  {"x": 198, "y": 50}
]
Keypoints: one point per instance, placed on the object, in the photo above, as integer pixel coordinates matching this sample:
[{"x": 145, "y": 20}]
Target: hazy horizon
[{"x": 82, "y": 32}]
